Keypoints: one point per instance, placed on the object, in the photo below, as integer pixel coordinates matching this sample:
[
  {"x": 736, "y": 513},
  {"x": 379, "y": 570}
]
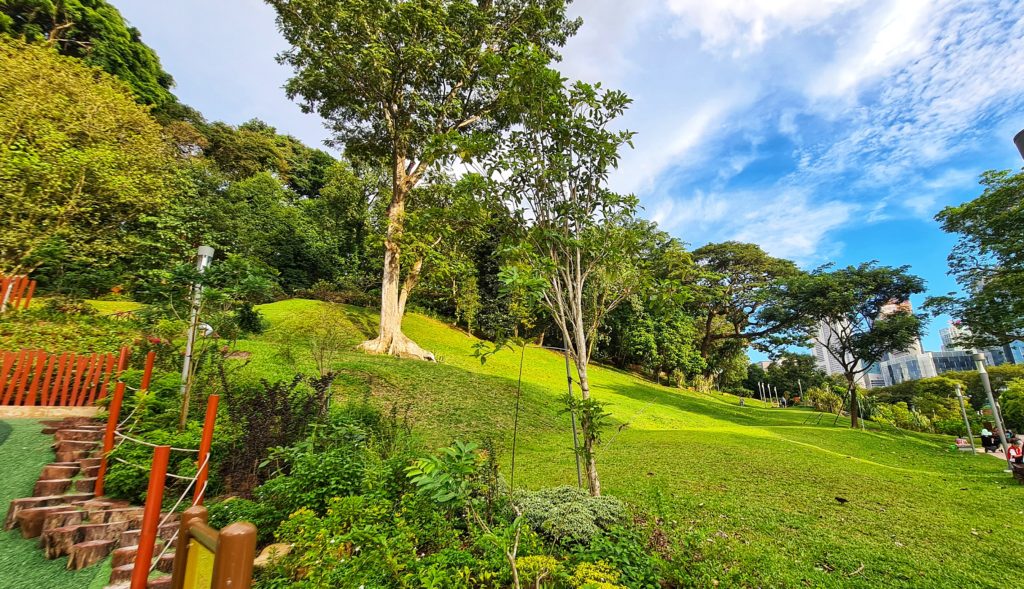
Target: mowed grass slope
[{"x": 750, "y": 496}]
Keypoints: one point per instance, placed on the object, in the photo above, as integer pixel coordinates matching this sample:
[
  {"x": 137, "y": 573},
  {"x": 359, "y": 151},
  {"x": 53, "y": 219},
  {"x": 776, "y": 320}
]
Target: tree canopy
[
  {"x": 988, "y": 261},
  {"x": 95, "y": 32}
]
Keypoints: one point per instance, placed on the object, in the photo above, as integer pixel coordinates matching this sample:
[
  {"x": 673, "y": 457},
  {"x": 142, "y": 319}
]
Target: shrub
[
  {"x": 234, "y": 509},
  {"x": 628, "y": 552},
  {"x": 595, "y": 575},
  {"x": 569, "y": 515}
]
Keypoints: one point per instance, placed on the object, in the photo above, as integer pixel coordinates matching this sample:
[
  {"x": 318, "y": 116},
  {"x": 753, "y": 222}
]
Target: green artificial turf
[
  {"x": 749, "y": 496},
  {"x": 22, "y": 566}
]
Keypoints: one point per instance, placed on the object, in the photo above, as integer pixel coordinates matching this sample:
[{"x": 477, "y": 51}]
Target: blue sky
[{"x": 823, "y": 130}]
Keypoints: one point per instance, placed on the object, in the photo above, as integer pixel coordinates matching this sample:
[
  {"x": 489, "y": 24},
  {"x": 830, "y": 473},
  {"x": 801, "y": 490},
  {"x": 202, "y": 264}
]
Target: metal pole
[
  {"x": 572, "y": 414},
  {"x": 979, "y": 361},
  {"x": 967, "y": 422},
  {"x": 203, "y": 256}
]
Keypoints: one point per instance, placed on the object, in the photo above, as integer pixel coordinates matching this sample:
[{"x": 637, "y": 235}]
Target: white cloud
[
  {"x": 740, "y": 27},
  {"x": 788, "y": 223}
]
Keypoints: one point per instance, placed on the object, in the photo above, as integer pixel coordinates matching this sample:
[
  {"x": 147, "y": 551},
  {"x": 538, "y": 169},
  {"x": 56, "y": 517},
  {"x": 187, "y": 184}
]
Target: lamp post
[
  {"x": 979, "y": 362},
  {"x": 204, "y": 255},
  {"x": 967, "y": 422}
]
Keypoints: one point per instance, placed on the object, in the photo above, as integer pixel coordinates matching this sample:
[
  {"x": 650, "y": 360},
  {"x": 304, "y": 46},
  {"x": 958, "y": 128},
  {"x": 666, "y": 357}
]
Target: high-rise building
[{"x": 827, "y": 362}]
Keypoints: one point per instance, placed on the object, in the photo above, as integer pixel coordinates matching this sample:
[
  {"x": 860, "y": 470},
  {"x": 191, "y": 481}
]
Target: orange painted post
[
  {"x": 90, "y": 392},
  {"x": 23, "y": 383},
  {"x": 151, "y": 516},
  {"x": 4, "y": 283},
  {"x": 19, "y": 368},
  {"x": 106, "y": 379},
  {"x": 204, "y": 448},
  {"x": 196, "y": 513},
  {"x": 122, "y": 360},
  {"x": 37, "y": 378},
  {"x": 51, "y": 364},
  {"x": 5, "y": 369},
  {"x": 31, "y": 291},
  {"x": 81, "y": 378},
  {"x": 12, "y": 302},
  {"x": 147, "y": 373},
  {"x": 113, "y": 413},
  {"x": 52, "y": 401},
  {"x": 69, "y": 375}
]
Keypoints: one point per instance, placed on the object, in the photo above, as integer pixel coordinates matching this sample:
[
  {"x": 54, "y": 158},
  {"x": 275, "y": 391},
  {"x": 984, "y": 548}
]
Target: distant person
[
  {"x": 1016, "y": 452},
  {"x": 987, "y": 441}
]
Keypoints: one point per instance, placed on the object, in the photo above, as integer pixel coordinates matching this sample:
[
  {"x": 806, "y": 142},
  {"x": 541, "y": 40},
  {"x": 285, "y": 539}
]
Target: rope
[
  {"x": 144, "y": 443},
  {"x": 169, "y": 543}
]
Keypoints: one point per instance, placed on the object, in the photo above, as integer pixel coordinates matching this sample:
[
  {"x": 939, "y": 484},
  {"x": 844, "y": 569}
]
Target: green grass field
[
  {"x": 748, "y": 494},
  {"x": 23, "y": 453}
]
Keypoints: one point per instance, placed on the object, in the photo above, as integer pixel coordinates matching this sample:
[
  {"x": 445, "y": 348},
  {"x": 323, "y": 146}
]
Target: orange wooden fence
[
  {"x": 34, "y": 377},
  {"x": 16, "y": 292}
]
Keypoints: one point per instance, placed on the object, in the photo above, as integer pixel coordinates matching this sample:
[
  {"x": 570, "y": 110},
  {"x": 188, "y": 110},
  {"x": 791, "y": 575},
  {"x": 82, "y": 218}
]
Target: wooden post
[
  {"x": 94, "y": 380},
  {"x": 25, "y": 371},
  {"x": 19, "y": 367},
  {"x": 107, "y": 375},
  {"x": 204, "y": 447},
  {"x": 194, "y": 513},
  {"x": 50, "y": 367},
  {"x": 236, "y": 548},
  {"x": 147, "y": 372},
  {"x": 5, "y": 368},
  {"x": 52, "y": 400},
  {"x": 114, "y": 413},
  {"x": 31, "y": 291},
  {"x": 151, "y": 517},
  {"x": 37, "y": 378},
  {"x": 81, "y": 371},
  {"x": 122, "y": 360}
]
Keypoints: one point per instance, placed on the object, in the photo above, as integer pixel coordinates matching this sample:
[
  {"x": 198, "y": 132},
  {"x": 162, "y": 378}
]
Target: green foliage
[
  {"x": 988, "y": 261},
  {"x": 450, "y": 478},
  {"x": 568, "y": 515},
  {"x": 1012, "y": 403},
  {"x": 738, "y": 298},
  {"x": 65, "y": 326},
  {"x": 95, "y": 32},
  {"x": 80, "y": 195}
]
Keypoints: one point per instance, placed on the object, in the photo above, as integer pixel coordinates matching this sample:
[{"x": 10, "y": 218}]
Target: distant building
[
  {"x": 827, "y": 363},
  {"x": 1012, "y": 353}
]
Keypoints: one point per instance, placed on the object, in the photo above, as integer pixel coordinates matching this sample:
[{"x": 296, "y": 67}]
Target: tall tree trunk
[
  {"x": 854, "y": 406},
  {"x": 589, "y": 435},
  {"x": 393, "y": 294}
]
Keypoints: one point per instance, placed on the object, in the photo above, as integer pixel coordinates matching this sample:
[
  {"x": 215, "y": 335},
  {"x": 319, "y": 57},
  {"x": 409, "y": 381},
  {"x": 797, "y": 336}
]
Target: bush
[
  {"x": 627, "y": 550},
  {"x": 234, "y": 509},
  {"x": 569, "y": 515}
]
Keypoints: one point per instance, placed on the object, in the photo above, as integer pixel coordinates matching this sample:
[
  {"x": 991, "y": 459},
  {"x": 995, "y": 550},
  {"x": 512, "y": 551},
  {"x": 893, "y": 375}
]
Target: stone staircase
[{"x": 71, "y": 521}]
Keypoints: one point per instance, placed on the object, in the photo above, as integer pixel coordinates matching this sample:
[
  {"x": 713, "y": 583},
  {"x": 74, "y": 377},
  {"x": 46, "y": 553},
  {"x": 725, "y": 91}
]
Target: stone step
[
  {"x": 92, "y": 435},
  {"x": 72, "y": 455},
  {"x": 163, "y": 582},
  {"x": 85, "y": 554},
  {"x": 57, "y": 542},
  {"x": 91, "y": 471},
  {"x": 85, "y": 484},
  {"x": 165, "y": 532},
  {"x": 104, "y": 531},
  {"x": 59, "y": 470},
  {"x": 58, "y": 519},
  {"x": 89, "y": 462},
  {"x": 18, "y": 505},
  {"x": 30, "y": 521},
  {"x": 51, "y": 487},
  {"x": 132, "y": 515}
]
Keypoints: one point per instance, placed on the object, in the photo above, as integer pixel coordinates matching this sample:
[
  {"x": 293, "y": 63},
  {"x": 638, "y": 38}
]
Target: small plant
[
  {"x": 567, "y": 515},
  {"x": 534, "y": 570}
]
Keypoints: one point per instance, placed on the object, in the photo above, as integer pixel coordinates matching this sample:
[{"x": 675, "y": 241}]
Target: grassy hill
[{"x": 749, "y": 495}]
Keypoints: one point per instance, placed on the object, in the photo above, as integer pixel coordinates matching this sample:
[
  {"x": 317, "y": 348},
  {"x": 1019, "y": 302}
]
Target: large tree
[
  {"x": 738, "y": 299},
  {"x": 83, "y": 167},
  {"x": 412, "y": 83},
  {"x": 863, "y": 308},
  {"x": 579, "y": 237},
  {"x": 988, "y": 261},
  {"x": 94, "y": 31}
]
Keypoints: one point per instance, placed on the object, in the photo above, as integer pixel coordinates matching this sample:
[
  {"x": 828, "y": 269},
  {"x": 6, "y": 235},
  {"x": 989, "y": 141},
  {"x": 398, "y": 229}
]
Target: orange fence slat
[
  {"x": 69, "y": 376},
  {"x": 5, "y": 368},
  {"x": 16, "y": 377}
]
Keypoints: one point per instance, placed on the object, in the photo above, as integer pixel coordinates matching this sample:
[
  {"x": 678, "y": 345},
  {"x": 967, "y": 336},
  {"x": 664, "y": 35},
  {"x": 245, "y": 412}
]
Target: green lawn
[
  {"x": 23, "y": 453},
  {"x": 748, "y": 494}
]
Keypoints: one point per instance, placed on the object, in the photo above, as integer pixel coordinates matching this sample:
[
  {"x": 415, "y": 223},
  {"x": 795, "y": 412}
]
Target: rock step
[
  {"x": 72, "y": 455},
  {"x": 85, "y": 484},
  {"x": 30, "y": 521},
  {"x": 17, "y": 505},
  {"x": 165, "y": 532},
  {"x": 57, "y": 542},
  {"x": 122, "y": 570},
  {"x": 88, "y": 462},
  {"x": 59, "y": 470},
  {"x": 51, "y": 487},
  {"x": 58, "y": 519},
  {"x": 103, "y": 531},
  {"x": 85, "y": 554},
  {"x": 163, "y": 582},
  {"x": 91, "y": 435}
]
